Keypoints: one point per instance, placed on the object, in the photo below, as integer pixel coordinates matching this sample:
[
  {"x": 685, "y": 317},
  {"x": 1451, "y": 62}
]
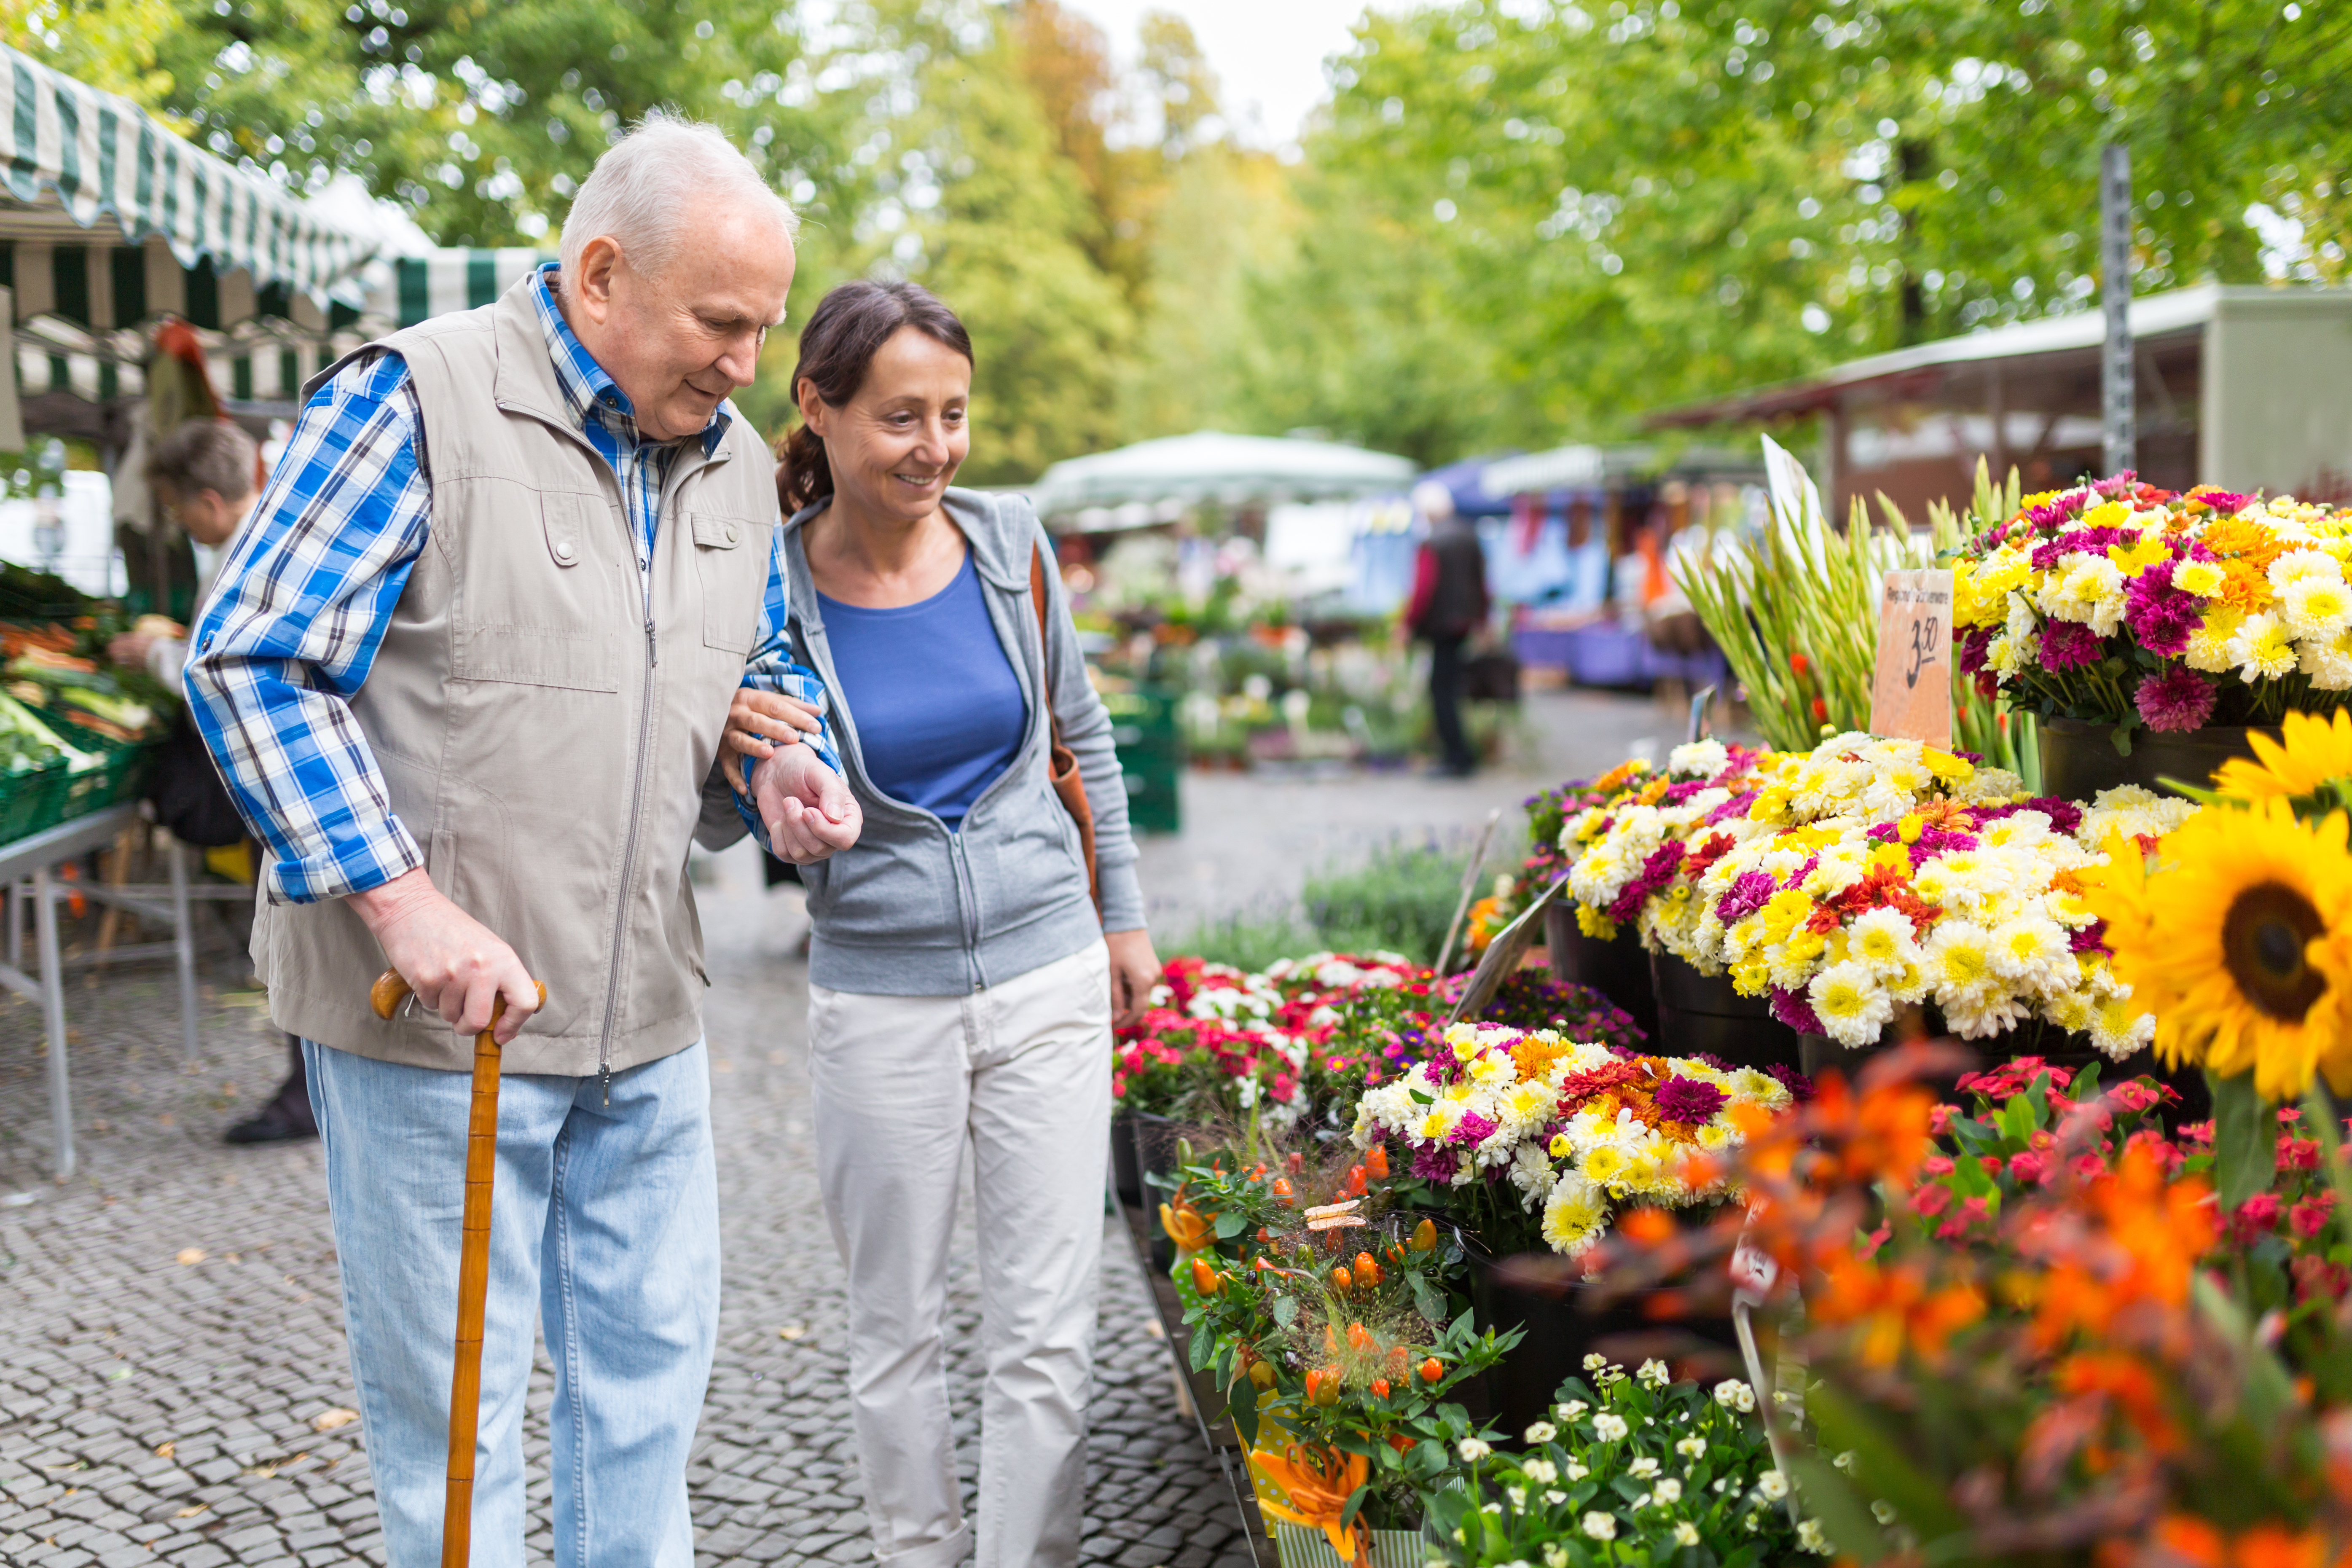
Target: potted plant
[{"x": 2154, "y": 632}]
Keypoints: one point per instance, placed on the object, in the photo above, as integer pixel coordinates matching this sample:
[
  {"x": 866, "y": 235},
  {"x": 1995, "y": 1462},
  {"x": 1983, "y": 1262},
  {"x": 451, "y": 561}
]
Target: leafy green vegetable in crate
[{"x": 26, "y": 741}]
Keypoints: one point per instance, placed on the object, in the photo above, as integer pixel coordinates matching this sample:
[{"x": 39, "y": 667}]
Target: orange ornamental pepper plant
[
  {"x": 2033, "y": 1330},
  {"x": 1333, "y": 1362}
]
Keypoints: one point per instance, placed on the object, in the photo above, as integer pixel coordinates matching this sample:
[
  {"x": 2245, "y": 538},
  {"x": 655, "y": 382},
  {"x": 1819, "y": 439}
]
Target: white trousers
[{"x": 1023, "y": 1070}]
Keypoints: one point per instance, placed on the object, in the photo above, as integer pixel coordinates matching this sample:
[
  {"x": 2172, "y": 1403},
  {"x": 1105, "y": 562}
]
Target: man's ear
[{"x": 591, "y": 284}]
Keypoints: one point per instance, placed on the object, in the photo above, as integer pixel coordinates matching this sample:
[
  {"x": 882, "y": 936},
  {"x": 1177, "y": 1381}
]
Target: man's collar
[{"x": 584, "y": 382}]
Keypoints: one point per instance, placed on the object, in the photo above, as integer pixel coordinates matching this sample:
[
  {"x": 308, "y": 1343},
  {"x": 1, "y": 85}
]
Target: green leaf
[
  {"x": 1199, "y": 1350},
  {"x": 2121, "y": 735},
  {"x": 1427, "y": 1298},
  {"x": 2245, "y": 1139},
  {"x": 1231, "y": 1224},
  {"x": 1355, "y": 1503},
  {"x": 1286, "y": 1307}
]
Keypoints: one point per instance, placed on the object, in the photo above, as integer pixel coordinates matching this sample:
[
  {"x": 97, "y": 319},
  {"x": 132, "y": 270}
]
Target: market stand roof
[
  {"x": 110, "y": 219},
  {"x": 1211, "y": 466},
  {"x": 96, "y": 155},
  {"x": 2178, "y": 314}
]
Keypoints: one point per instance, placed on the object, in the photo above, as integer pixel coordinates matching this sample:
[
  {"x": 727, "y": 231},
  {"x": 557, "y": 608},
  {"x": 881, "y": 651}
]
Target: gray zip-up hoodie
[{"x": 917, "y": 910}]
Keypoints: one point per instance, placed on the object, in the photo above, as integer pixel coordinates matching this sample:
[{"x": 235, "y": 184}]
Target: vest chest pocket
[
  {"x": 731, "y": 554},
  {"x": 536, "y": 604}
]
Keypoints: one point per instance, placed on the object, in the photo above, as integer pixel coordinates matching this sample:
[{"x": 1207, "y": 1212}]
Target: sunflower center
[{"x": 2262, "y": 939}]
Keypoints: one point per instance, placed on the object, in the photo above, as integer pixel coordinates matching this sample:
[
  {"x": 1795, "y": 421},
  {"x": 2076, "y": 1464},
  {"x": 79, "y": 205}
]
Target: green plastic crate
[
  {"x": 40, "y": 798},
  {"x": 1151, "y": 755}
]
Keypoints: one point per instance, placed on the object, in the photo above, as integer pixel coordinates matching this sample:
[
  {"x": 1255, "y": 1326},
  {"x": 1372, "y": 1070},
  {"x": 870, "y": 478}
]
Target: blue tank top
[{"x": 938, "y": 708}]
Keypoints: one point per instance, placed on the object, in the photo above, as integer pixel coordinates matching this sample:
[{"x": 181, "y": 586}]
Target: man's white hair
[{"x": 638, "y": 193}]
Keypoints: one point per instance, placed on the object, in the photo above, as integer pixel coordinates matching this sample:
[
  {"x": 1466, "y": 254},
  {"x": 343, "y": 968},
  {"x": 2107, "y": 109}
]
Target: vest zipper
[{"x": 628, "y": 860}]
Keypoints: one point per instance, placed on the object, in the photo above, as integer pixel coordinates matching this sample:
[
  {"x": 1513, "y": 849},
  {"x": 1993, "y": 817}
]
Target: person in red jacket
[{"x": 1448, "y": 604}]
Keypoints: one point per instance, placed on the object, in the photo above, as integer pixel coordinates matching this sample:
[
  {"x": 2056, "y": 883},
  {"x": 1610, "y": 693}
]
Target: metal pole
[
  {"x": 53, "y": 1017},
  {"x": 184, "y": 949},
  {"x": 2116, "y": 367}
]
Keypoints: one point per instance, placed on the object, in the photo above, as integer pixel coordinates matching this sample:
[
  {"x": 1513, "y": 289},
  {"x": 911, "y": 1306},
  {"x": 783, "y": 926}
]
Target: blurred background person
[
  {"x": 1447, "y": 607},
  {"x": 205, "y": 477}
]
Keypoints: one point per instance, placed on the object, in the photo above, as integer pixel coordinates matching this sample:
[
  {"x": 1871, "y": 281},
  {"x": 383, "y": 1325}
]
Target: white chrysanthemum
[
  {"x": 2329, "y": 663},
  {"x": 2317, "y": 609},
  {"x": 2132, "y": 812},
  {"x": 1574, "y": 1215},
  {"x": 1699, "y": 759},
  {"x": 1883, "y": 939},
  {"x": 1851, "y": 1002},
  {"x": 2261, "y": 649},
  {"x": 2297, "y": 567},
  {"x": 2031, "y": 949}
]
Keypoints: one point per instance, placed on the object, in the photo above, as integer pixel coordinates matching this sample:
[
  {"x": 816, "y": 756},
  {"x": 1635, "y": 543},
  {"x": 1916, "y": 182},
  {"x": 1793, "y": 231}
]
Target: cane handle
[{"x": 389, "y": 991}]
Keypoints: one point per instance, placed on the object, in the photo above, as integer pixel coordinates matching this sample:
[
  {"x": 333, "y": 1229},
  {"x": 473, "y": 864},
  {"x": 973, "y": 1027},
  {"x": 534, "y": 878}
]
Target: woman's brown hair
[{"x": 837, "y": 349}]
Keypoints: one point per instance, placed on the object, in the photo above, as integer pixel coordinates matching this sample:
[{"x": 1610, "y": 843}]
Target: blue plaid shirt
[{"x": 308, "y": 591}]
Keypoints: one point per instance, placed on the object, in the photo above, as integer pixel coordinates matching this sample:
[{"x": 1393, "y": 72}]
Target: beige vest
[{"x": 545, "y": 743}]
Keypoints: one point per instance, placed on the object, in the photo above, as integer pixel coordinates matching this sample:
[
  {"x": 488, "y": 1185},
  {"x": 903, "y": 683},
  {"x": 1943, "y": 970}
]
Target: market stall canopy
[
  {"x": 1210, "y": 465},
  {"x": 1596, "y": 469},
  {"x": 416, "y": 287},
  {"x": 108, "y": 219},
  {"x": 2156, "y": 317},
  {"x": 1466, "y": 482}
]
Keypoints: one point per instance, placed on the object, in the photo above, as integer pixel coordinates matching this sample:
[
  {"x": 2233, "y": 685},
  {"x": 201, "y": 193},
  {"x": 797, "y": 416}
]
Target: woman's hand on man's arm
[{"x": 757, "y": 724}]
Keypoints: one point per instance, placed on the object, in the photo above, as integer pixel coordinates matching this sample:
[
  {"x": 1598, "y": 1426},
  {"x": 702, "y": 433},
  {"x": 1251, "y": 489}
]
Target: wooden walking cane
[{"x": 472, "y": 1269}]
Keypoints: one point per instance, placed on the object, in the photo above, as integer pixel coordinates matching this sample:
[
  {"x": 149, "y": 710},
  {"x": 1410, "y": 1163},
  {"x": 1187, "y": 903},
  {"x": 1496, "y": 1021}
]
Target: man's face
[
  {"x": 681, "y": 339},
  {"x": 210, "y": 517}
]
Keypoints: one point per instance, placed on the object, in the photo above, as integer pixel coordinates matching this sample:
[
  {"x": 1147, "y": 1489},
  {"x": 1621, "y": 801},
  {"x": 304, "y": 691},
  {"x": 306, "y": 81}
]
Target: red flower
[
  {"x": 2257, "y": 1217},
  {"x": 2298, "y": 1153},
  {"x": 2028, "y": 1168},
  {"x": 2309, "y": 1217}
]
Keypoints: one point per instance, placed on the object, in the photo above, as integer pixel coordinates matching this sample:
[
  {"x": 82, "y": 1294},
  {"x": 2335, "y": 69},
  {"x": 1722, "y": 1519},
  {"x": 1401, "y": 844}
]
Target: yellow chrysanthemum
[
  {"x": 2314, "y": 750},
  {"x": 2240, "y": 944},
  {"x": 2202, "y": 578}
]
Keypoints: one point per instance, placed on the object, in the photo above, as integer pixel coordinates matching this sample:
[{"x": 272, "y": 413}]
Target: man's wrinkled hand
[
  {"x": 457, "y": 966},
  {"x": 808, "y": 811}
]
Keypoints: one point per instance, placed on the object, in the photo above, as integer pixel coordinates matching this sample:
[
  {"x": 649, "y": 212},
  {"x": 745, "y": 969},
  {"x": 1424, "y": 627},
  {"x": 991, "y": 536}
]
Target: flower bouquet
[
  {"x": 2120, "y": 604},
  {"x": 1520, "y": 1124}
]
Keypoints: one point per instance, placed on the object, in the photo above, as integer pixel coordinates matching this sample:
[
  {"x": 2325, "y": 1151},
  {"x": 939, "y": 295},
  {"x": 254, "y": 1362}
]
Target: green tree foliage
[
  {"x": 1611, "y": 210},
  {"x": 479, "y": 117}
]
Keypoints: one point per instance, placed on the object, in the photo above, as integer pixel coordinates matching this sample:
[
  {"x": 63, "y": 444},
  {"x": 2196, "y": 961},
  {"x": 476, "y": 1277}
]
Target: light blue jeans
[{"x": 603, "y": 1224}]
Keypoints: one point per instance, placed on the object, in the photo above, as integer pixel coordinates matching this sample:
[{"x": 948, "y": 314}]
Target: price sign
[{"x": 1911, "y": 696}]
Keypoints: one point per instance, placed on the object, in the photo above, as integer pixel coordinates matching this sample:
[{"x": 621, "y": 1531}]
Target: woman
[{"x": 962, "y": 983}]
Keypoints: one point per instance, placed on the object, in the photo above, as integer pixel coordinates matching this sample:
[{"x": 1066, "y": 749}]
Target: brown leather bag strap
[{"x": 1062, "y": 763}]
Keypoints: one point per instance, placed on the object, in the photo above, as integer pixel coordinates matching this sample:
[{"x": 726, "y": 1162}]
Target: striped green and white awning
[
  {"x": 450, "y": 280},
  {"x": 68, "y": 145}
]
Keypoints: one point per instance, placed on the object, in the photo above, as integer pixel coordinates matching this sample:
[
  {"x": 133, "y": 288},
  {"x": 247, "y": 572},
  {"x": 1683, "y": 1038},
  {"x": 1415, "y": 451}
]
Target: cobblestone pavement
[{"x": 172, "y": 1380}]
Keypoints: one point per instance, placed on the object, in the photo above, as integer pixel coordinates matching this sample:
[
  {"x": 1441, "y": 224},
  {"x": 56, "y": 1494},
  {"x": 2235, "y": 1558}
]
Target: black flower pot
[
  {"x": 1704, "y": 1014},
  {"x": 1565, "y": 1319},
  {"x": 1126, "y": 1175},
  {"x": 2080, "y": 758},
  {"x": 1617, "y": 968}
]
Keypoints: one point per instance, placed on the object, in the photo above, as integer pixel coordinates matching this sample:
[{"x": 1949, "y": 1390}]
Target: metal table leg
[
  {"x": 183, "y": 942},
  {"x": 18, "y": 892},
  {"x": 53, "y": 1013}
]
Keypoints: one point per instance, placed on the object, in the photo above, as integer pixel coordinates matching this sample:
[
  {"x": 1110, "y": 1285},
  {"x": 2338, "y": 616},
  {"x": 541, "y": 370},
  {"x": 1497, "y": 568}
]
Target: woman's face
[{"x": 895, "y": 446}]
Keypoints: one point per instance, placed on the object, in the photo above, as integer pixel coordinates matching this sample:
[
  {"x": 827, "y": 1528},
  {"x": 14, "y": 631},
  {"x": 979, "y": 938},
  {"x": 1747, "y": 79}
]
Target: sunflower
[
  {"x": 2240, "y": 944},
  {"x": 2314, "y": 750}
]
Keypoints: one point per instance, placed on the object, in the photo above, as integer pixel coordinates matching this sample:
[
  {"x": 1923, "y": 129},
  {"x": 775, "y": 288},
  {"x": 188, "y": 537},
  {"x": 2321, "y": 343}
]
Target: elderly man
[{"x": 466, "y": 674}]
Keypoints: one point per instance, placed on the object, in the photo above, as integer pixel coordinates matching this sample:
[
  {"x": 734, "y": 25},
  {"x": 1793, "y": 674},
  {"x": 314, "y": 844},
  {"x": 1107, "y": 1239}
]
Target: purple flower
[
  {"x": 2178, "y": 699},
  {"x": 2075, "y": 541},
  {"x": 1433, "y": 1163},
  {"x": 2224, "y": 501},
  {"x": 1473, "y": 1129},
  {"x": 1678, "y": 793},
  {"x": 2066, "y": 644},
  {"x": 1973, "y": 645},
  {"x": 2117, "y": 484},
  {"x": 1935, "y": 841},
  {"x": 1749, "y": 891},
  {"x": 1656, "y": 872},
  {"x": 2092, "y": 938},
  {"x": 1792, "y": 1008},
  {"x": 1736, "y": 806},
  {"x": 2064, "y": 815},
  {"x": 1800, "y": 1086},
  {"x": 1689, "y": 1100},
  {"x": 2159, "y": 614}
]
